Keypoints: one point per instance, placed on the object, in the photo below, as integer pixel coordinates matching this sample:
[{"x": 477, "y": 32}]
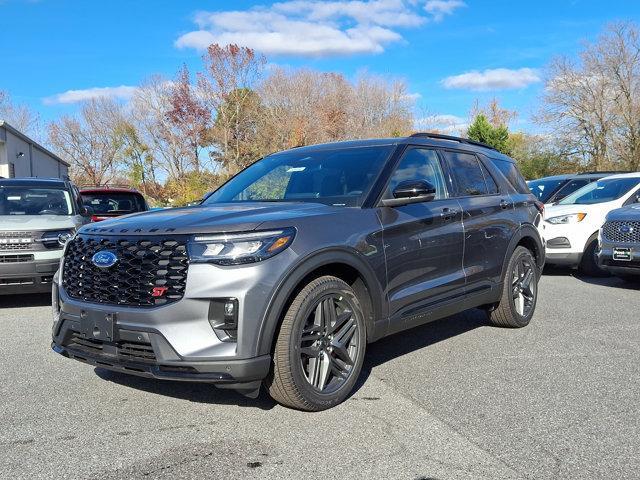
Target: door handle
[
  {"x": 448, "y": 213},
  {"x": 504, "y": 204}
]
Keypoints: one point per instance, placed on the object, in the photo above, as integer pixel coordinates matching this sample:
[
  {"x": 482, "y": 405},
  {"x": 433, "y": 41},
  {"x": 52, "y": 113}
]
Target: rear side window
[
  {"x": 511, "y": 173},
  {"x": 569, "y": 188},
  {"x": 492, "y": 186},
  {"x": 467, "y": 173}
]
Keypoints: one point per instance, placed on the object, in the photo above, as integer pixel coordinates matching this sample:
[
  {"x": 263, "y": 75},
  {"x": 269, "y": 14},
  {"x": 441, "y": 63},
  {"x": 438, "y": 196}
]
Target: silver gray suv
[{"x": 286, "y": 272}]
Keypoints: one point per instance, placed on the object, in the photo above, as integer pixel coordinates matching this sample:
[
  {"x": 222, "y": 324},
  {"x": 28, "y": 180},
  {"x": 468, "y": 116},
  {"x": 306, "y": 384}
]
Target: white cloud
[
  {"x": 413, "y": 96},
  {"x": 440, "y": 8},
  {"x": 310, "y": 27},
  {"x": 445, "y": 123},
  {"x": 75, "y": 96},
  {"x": 496, "y": 79}
]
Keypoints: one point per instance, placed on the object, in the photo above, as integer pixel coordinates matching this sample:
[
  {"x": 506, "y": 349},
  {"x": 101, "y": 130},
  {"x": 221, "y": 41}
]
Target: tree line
[{"x": 178, "y": 138}]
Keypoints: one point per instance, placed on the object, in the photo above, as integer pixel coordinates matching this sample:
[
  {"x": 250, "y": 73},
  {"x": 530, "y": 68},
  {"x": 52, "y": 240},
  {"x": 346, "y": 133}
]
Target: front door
[{"x": 423, "y": 242}]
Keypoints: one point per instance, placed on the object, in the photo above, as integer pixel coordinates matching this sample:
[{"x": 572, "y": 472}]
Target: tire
[
  {"x": 318, "y": 370},
  {"x": 516, "y": 290},
  {"x": 589, "y": 263}
]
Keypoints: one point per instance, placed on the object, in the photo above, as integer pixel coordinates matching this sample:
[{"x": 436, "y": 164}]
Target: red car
[{"x": 108, "y": 202}]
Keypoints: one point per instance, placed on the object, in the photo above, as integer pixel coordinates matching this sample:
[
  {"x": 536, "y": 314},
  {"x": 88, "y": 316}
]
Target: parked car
[
  {"x": 619, "y": 242},
  {"x": 107, "y": 202},
  {"x": 37, "y": 216},
  {"x": 293, "y": 266},
  {"x": 571, "y": 227},
  {"x": 551, "y": 190}
]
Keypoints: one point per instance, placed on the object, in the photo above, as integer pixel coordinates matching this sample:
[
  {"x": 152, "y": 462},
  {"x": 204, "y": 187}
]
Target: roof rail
[
  {"x": 106, "y": 186},
  {"x": 605, "y": 171},
  {"x": 439, "y": 136}
]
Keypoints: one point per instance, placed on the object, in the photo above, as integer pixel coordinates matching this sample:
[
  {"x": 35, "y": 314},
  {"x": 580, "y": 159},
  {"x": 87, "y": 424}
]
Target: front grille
[
  {"x": 125, "y": 351},
  {"x": 37, "y": 240},
  {"x": 10, "y": 241},
  {"x": 630, "y": 231},
  {"x": 143, "y": 263},
  {"x": 16, "y": 246},
  {"x": 16, "y": 258}
]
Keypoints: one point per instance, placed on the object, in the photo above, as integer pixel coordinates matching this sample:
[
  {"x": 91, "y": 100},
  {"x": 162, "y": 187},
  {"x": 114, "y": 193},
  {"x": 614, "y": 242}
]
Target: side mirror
[
  {"x": 411, "y": 191},
  {"x": 86, "y": 211}
]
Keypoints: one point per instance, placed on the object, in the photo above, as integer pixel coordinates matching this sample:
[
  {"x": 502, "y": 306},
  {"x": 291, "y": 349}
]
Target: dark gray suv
[{"x": 286, "y": 272}]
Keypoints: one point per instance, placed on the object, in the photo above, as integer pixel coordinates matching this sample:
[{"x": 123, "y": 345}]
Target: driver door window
[{"x": 419, "y": 164}]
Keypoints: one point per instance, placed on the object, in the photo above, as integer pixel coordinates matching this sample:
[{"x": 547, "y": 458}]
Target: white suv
[{"x": 571, "y": 226}]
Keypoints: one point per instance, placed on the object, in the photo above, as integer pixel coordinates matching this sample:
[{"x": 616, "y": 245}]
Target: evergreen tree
[{"x": 496, "y": 136}]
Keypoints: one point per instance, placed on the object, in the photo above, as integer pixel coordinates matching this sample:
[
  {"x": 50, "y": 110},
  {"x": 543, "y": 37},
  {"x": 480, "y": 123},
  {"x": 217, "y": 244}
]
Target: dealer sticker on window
[{"x": 623, "y": 254}]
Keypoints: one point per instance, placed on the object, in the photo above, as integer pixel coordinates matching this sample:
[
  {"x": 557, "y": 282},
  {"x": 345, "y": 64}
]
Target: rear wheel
[
  {"x": 519, "y": 291},
  {"x": 320, "y": 347},
  {"x": 589, "y": 263}
]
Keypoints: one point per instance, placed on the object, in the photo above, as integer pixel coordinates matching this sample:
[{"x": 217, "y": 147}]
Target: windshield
[
  {"x": 601, "y": 191},
  {"x": 119, "y": 203},
  {"x": 16, "y": 200},
  {"x": 340, "y": 177},
  {"x": 543, "y": 188}
]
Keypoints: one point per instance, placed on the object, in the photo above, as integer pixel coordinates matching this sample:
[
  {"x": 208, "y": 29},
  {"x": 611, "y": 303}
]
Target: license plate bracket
[
  {"x": 622, "y": 254},
  {"x": 98, "y": 325}
]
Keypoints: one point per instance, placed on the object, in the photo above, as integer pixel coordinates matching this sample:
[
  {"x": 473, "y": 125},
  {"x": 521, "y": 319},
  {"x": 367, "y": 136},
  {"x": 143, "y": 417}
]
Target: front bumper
[
  {"x": 620, "y": 267},
  {"x": 175, "y": 341},
  {"x": 566, "y": 243},
  {"x": 33, "y": 276}
]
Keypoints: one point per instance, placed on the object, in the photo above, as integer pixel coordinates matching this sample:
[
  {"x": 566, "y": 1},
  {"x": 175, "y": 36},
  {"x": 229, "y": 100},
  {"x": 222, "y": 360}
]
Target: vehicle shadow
[
  {"x": 191, "y": 391},
  {"x": 608, "y": 281},
  {"x": 419, "y": 337},
  {"x": 377, "y": 353},
  {"x": 25, "y": 300}
]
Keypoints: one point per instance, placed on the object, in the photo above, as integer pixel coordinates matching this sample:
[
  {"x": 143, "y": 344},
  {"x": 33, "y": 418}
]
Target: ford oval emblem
[
  {"x": 104, "y": 259},
  {"x": 625, "y": 229}
]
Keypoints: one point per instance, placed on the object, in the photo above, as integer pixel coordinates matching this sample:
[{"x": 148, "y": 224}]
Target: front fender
[{"x": 376, "y": 323}]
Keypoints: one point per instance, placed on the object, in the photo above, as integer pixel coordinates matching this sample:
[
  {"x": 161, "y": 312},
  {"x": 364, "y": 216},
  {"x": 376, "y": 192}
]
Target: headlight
[
  {"x": 57, "y": 238},
  {"x": 563, "y": 219},
  {"x": 239, "y": 248}
]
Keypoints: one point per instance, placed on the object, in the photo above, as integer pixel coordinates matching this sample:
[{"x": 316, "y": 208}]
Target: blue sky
[{"x": 451, "y": 52}]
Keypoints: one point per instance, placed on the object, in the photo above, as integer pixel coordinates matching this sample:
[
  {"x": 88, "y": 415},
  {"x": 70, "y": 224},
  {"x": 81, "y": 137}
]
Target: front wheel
[
  {"x": 320, "y": 347},
  {"x": 589, "y": 263},
  {"x": 519, "y": 291}
]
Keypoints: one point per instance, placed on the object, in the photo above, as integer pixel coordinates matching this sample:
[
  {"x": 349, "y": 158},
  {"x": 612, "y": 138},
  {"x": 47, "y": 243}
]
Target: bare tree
[
  {"x": 302, "y": 107},
  {"x": 496, "y": 114},
  {"x": 228, "y": 87},
  {"x": 89, "y": 141},
  {"x": 380, "y": 108},
  {"x": 20, "y": 116},
  {"x": 594, "y": 104},
  {"x": 617, "y": 57},
  {"x": 165, "y": 141},
  {"x": 189, "y": 114}
]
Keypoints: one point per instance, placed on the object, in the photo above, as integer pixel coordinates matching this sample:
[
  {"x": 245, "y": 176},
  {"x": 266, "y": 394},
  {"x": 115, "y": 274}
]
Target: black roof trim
[
  {"x": 439, "y": 136},
  {"x": 605, "y": 171},
  {"x": 33, "y": 181}
]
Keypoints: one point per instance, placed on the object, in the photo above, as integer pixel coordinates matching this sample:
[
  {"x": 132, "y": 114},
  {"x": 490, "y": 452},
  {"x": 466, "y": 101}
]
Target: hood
[
  {"x": 210, "y": 219},
  {"x": 629, "y": 213},
  {"x": 36, "y": 222}
]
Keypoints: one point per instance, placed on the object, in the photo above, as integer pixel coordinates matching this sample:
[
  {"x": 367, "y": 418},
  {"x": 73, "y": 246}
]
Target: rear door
[
  {"x": 423, "y": 242},
  {"x": 487, "y": 217}
]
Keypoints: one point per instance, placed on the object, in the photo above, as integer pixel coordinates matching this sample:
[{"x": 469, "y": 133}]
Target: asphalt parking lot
[{"x": 453, "y": 399}]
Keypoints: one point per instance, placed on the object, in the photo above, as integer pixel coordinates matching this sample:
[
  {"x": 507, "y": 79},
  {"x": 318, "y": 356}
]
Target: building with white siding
[{"x": 20, "y": 156}]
